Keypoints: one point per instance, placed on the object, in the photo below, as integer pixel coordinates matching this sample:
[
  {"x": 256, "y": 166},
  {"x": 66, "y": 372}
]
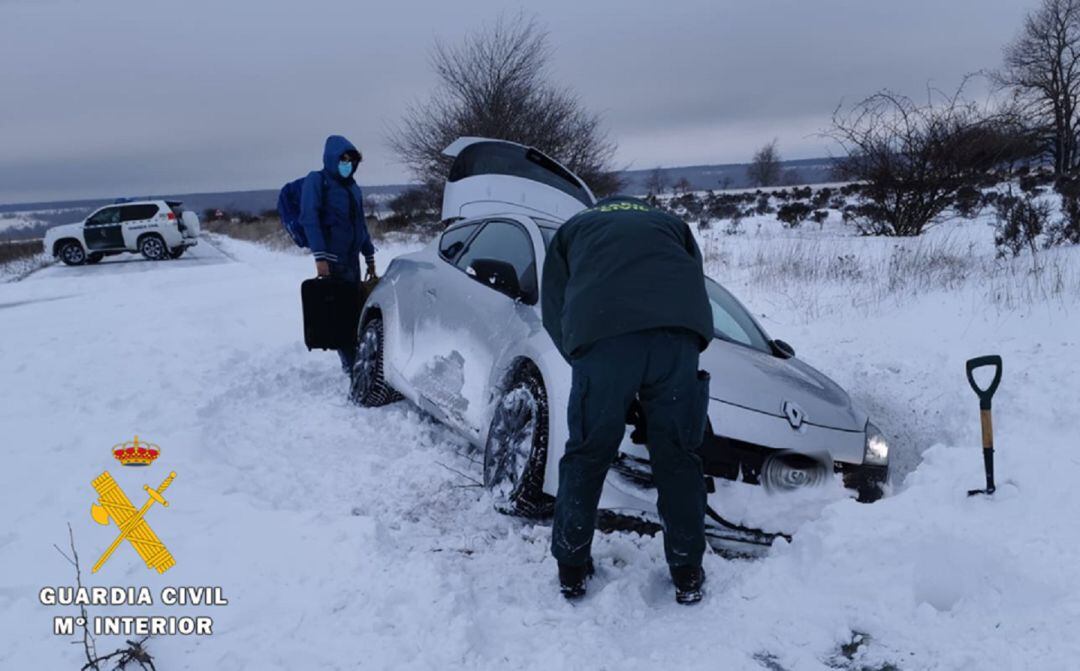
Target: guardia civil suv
[{"x": 157, "y": 229}]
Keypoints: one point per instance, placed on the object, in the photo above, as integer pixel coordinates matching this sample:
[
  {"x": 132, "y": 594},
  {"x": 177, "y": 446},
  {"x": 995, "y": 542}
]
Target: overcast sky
[{"x": 100, "y": 98}]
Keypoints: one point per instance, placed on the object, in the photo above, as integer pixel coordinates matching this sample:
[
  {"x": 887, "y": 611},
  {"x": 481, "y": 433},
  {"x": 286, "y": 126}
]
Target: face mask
[{"x": 344, "y": 168}]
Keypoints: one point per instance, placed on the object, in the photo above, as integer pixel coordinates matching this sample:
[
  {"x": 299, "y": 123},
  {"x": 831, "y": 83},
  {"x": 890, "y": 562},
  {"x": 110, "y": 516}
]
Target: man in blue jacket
[{"x": 332, "y": 214}]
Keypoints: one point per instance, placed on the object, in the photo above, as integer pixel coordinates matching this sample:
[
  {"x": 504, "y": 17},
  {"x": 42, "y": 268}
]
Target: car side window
[
  {"x": 508, "y": 243},
  {"x": 110, "y": 215},
  {"x": 453, "y": 241},
  {"x": 138, "y": 212}
]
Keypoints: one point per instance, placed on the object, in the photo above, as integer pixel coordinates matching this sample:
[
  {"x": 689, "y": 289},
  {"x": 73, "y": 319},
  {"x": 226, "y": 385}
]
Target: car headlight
[{"x": 876, "y": 451}]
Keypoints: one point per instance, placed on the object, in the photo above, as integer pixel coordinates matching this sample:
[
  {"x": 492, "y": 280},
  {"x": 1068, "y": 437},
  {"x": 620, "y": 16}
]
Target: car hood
[
  {"x": 62, "y": 229},
  {"x": 745, "y": 377}
]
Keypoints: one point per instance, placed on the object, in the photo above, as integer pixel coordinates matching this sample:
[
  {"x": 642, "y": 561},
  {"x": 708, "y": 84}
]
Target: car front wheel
[
  {"x": 515, "y": 454},
  {"x": 72, "y": 253},
  {"x": 153, "y": 248},
  {"x": 368, "y": 386}
]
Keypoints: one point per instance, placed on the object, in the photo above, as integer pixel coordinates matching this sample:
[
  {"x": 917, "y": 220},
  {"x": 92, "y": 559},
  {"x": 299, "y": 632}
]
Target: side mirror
[
  {"x": 782, "y": 349},
  {"x": 499, "y": 275}
]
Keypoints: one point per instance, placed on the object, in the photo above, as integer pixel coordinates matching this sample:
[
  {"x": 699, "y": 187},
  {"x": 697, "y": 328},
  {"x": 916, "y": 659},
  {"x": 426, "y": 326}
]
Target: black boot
[
  {"x": 572, "y": 579},
  {"x": 688, "y": 581}
]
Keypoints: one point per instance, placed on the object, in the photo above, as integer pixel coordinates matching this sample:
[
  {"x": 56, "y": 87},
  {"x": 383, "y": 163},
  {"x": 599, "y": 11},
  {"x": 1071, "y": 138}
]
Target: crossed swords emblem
[{"x": 114, "y": 504}]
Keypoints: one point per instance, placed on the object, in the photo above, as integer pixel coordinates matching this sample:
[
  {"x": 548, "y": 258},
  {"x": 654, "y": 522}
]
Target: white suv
[{"x": 157, "y": 229}]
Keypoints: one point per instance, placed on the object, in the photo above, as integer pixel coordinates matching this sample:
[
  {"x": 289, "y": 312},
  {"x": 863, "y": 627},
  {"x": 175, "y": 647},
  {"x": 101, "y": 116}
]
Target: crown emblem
[{"x": 135, "y": 453}]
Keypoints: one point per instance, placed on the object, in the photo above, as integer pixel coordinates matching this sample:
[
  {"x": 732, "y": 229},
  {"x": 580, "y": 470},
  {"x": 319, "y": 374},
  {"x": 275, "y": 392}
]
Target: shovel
[{"x": 985, "y": 395}]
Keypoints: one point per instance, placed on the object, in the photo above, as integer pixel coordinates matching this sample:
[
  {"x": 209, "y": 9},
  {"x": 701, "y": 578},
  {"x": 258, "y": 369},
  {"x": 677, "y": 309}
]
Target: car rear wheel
[
  {"x": 153, "y": 247},
  {"x": 515, "y": 454},
  {"x": 368, "y": 386},
  {"x": 72, "y": 253},
  {"x": 177, "y": 252}
]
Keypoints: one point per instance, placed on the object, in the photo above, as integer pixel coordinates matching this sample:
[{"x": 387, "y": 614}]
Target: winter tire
[
  {"x": 153, "y": 247},
  {"x": 368, "y": 386},
  {"x": 94, "y": 257},
  {"x": 177, "y": 252},
  {"x": 72, "y": 253},
  {"x": 515, "y": 455}
]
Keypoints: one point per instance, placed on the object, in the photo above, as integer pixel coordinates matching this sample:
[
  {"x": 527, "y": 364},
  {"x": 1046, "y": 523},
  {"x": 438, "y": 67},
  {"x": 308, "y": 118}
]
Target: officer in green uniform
[{"x": 624, "y": 300}]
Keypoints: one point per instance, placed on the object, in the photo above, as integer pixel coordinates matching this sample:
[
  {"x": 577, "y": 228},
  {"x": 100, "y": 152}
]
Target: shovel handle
[{"x": 988, "y": 393}]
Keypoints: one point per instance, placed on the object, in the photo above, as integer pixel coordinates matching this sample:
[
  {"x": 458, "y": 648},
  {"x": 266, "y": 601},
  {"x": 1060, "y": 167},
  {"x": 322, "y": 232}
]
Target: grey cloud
[{"x": 127, "y": 96}]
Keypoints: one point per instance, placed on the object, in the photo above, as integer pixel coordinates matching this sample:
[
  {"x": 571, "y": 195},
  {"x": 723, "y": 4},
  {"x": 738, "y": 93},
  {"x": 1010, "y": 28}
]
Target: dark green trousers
[{"x": 660, "y": 367}]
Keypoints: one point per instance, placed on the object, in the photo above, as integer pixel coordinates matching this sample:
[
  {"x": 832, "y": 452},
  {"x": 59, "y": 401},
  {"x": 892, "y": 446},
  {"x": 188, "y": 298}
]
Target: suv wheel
[
  {"x": 153, "y": 247},
  {"x": 515, "y": 454},
  {"x": 368, "y": 386},
  {"x": 72, "y": 253},
  {"x": 177, "y": 252},
  {"x": 94, "y": 257}
]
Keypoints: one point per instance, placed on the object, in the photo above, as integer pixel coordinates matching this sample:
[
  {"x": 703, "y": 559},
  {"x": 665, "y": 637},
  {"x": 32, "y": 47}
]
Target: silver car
[{"x": 456, "y": 329}]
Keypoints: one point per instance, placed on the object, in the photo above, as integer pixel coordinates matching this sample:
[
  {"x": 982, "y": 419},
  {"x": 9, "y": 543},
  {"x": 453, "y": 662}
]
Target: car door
[
  {"x": 135, "y": 220},
  {"x": 475, "y": 315},
  {"x": 416, "y": 279},
  {"x": 102, "y": 230}
]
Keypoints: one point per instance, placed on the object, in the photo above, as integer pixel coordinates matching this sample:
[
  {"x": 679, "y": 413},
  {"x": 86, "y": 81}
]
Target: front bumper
[{"x": 731, "y": 459}]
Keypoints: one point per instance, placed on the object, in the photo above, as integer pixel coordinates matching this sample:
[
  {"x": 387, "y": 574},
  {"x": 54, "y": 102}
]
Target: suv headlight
[{"x": 876, "y": 451}]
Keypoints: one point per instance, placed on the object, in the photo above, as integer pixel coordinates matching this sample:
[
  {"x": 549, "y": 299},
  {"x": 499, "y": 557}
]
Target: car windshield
[{"x": 731, "y": 321}]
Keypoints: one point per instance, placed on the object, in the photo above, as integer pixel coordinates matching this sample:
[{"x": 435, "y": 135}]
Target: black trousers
[
  {"x": 660, "y": 367},
  {"x": 349, "y": 273}
]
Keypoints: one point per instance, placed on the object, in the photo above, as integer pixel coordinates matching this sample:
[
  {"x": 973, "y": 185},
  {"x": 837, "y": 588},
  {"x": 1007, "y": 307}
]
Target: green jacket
[{"x": 618, "y": 267}]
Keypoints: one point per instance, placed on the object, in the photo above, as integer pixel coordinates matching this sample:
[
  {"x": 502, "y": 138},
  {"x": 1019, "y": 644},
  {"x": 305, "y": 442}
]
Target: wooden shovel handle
[{"x": 987, "y": 430}]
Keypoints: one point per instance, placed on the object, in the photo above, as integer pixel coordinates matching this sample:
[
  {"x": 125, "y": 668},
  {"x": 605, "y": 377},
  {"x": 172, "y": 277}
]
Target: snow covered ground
[{"x": 356, "y": 538}]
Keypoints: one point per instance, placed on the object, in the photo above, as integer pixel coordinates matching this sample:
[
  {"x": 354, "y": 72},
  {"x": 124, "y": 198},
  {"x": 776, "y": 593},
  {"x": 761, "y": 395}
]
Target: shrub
[
  {"x": 968, "y": 201},
  {"x": 1067, "y": 230},
  {"x": 793, "y": 214},
  {"x": 415, "y": 206},
  {"x": 913, "y": 158},
  {"x": 763, "y": 205},
  {"x": 820, "y": 216},
  {"x": 1020, "y": 223},
  {"x": 821, "y": 197},
  {"x": 689, "y": 202}
]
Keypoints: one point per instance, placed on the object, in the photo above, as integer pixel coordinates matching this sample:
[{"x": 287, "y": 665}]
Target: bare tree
[
  {"x": 1042, "y": 69},
  {"x": 913, "y": 159},
  {"x": 682, "y": 185},
  {"x": 764, "y": 169},
  {"x": 495, "y": 84},
  {"x": 656, "y": 181}
]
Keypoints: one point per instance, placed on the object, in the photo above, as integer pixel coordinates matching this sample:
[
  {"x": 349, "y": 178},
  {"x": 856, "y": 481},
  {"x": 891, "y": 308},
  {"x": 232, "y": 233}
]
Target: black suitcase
[{"x": 331, "y": 313}]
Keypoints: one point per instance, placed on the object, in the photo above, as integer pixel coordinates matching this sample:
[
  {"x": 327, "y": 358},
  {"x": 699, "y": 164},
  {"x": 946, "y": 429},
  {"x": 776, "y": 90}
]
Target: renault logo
[{"x": 795, "y": 415}]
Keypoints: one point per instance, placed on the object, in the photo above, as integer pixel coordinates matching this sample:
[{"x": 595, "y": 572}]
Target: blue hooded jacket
[{"x": 332, "y": 211}]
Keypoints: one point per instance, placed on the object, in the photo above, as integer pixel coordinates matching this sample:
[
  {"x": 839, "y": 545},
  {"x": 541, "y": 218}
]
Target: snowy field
[{"x": 349, "y": 538}]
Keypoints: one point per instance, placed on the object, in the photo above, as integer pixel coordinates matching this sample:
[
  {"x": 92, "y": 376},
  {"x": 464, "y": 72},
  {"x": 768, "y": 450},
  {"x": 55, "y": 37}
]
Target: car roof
[{"x": 143, "y": 201}]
